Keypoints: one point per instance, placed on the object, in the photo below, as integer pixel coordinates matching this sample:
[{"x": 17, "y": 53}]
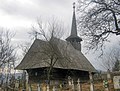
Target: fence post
[
  {"x": 30, "y": 88},
  {"x": 69, "y": 81},
  {"x": 91, "y": 82},
  {"x": 108, "y": 75},
  {"x": 108, "y": 79},
  {"x": 53, "y": 88},
  {"x": 78, "y": 85},
  {"x": 73, "y": 85},
  {"x": 38, "y": 85},
  {"x": 47, "y": 87}
]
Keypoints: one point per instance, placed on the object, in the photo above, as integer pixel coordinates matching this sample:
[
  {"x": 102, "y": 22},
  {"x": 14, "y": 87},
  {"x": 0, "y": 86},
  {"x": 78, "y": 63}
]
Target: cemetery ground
[
  {"x": 98, "y": 86},
  {"x": 101, "y": 82}
]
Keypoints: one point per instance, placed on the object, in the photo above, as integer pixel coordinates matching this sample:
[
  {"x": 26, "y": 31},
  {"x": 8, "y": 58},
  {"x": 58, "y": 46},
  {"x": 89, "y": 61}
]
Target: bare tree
[
  {"x": 47, "y": 30},
  {"x": 7, "y": 53},
  {"x": 116, "y": 66},
  {"x": 110, "y": 61},
  {"x": 97, "y": 20}
]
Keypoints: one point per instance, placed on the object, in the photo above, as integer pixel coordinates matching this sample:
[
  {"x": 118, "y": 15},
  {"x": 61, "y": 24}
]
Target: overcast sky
[{"x": 20, "y": 15}]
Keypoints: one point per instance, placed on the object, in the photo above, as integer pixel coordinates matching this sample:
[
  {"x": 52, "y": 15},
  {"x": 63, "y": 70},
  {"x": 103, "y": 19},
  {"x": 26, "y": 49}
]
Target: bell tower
[{"x": 74, "y": 39}]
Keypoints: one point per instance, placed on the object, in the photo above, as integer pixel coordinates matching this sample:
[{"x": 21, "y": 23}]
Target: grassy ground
[{"x": 85, "y": 87}]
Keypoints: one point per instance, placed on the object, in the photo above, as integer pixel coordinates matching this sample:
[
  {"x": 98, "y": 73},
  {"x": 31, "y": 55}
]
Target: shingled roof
[{"x": 70, "y": 57}]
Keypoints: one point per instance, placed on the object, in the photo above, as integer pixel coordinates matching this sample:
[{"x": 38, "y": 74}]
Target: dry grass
[{"x": 85, "y": 87}]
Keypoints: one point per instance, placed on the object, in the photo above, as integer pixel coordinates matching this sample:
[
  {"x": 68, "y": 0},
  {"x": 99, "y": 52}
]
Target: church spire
[
  {"x": 74, "y": 26},
  {"x": 73, "y": 38}
]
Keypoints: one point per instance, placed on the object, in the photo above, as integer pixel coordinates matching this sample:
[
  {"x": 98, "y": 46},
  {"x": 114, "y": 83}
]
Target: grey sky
[
  {"x": 19, "y": 15},
  {"x": 19, "y": 11}
]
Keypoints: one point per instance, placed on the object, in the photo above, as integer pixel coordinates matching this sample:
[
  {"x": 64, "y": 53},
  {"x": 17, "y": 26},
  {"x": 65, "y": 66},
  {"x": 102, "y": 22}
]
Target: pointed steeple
[
  {"x": 74, "y": 26},
  {"x": 73, "y": 38}
]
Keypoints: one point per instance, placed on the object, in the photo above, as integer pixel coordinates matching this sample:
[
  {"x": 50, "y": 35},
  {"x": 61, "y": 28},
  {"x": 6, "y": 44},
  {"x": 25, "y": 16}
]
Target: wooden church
[{"x": 63, "y": 60}]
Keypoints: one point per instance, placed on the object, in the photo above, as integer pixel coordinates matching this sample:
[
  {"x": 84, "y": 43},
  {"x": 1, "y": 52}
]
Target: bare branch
[{"x": 100, "y": 19}]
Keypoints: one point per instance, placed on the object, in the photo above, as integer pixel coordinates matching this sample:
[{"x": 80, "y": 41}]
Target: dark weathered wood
[{"x": 39, "y": 75}]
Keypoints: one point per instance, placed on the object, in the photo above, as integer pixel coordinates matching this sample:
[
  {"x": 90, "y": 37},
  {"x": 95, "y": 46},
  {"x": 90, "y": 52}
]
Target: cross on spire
[{"x": 74, "y": 6}]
